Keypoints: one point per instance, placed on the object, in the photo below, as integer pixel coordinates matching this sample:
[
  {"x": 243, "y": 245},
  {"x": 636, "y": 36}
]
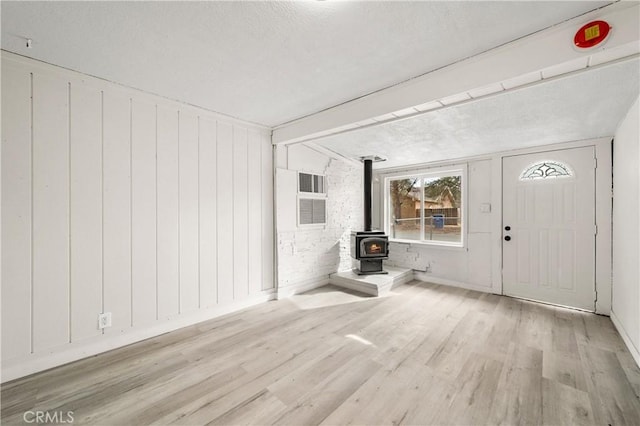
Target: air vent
[{"x": 312, "y": 211}]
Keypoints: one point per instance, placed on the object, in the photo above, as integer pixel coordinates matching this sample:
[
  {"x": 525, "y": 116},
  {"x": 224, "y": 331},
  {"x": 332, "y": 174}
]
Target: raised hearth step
[{"x": 375, "y": 285}]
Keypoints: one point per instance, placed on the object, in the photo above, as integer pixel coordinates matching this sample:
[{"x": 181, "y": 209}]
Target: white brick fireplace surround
[{"x": 308, "y": 254}]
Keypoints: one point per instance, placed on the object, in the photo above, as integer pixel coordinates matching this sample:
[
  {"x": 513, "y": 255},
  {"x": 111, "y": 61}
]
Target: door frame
[{"x": 603, "y": 214}]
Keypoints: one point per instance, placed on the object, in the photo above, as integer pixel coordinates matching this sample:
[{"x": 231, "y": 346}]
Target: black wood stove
[{"x": 369, "y": 247}]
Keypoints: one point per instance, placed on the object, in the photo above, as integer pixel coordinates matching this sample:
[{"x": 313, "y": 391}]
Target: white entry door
[{"x": 548, "y": 236}]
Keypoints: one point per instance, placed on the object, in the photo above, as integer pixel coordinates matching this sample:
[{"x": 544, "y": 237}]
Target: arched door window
[{"x": 546, "y": 170}]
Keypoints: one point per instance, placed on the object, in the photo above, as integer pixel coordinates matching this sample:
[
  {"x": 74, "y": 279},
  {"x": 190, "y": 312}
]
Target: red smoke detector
[{"x": 591, "y": 34}]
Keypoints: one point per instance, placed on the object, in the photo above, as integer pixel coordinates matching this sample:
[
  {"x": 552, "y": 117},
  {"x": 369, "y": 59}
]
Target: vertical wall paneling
[
  {"x": 16, "y": 211},
  {"x": 626, "y": 229},
  {"x": 86, "y": 210},
  {"x": 168, "y": 206},
  {"x": 224, "y": 214},
  {"x": 267, "y": 213},
  {"x": 479, "y": 193},
  {"x": 207, "y": 215},
  {"x": 143, "y": 211},
  {"x": 117, "y": 210},
  {"x": 50, "y": 212},
  {"x": 118, "y": 201},
  {"x": 188, "y": 169},
  {"x": 254, "y": 202},
  {"x": 240, "y": 215}
]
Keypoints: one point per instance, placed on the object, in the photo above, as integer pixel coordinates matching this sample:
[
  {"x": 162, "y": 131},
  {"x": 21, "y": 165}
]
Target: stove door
[{"x": 373, "y": 247}]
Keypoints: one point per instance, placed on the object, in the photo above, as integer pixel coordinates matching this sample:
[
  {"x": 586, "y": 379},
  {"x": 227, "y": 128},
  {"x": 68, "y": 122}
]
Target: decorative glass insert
[{"x": 546, "y": 170}]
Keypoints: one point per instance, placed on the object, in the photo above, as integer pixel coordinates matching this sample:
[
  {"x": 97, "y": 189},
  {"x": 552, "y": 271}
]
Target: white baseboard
[
  {"x": 405, "y": 278},
  {"x": 625, "y": 337},
  {"x": 428, "y": 278},
  {"x": 34, "y": 363},
  {"x": 302, "y": 286}
]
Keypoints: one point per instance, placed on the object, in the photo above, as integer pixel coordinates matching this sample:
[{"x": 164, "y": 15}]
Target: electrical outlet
[{"x": 104, "y": 320}]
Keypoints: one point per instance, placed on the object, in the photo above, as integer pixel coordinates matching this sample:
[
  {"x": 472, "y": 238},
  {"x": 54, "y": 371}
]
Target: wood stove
[{"x": 369, "y": 247}]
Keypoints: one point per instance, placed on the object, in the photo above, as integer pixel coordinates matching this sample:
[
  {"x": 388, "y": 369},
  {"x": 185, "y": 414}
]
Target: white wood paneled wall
[{"x": 118, "y": 201}]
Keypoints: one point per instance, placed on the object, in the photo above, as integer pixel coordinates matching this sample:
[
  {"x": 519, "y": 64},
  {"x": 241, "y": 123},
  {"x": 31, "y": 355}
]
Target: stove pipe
[{"x": 368, "y": 171}]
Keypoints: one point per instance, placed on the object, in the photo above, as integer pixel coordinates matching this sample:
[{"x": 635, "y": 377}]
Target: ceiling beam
[{"x": 529, "y": 54}]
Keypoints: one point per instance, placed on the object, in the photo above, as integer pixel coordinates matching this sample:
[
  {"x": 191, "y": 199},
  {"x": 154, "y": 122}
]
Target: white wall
[
  {"x": 118, "y": 201},
  {"x": 626, "y": 231},
  {"x": 478, "y": 265},
  {"x": 470, "y": 266},
  {"x": 307, "y": 255}
]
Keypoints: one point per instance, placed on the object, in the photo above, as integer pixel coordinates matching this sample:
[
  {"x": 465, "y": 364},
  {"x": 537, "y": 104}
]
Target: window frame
[
  {"x": 444, "y": 171},
  {"x": 303, "y": 195},
  {"x": 313, "y": 191}
]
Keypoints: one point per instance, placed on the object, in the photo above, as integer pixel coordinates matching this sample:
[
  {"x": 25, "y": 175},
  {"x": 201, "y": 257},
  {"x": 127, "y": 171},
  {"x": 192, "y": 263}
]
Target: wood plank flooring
[{"x": 426, "y": 354}]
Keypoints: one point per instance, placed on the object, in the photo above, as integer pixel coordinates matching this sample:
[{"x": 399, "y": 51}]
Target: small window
[
  {"x": 318, "y": 184},
  {"x": 312, "y": 199},
  {"x": 310, "y": 183},
  {"x": 426, "y": 208},
  {"x": 305, "y": 182}
]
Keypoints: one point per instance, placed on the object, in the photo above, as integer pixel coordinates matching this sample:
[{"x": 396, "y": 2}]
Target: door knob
[{"x": 507, "y": 238}]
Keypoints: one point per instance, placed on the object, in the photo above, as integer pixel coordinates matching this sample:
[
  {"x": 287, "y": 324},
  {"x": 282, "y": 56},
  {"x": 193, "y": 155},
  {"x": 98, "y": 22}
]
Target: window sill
[
  {"x": 436, "y": 245},
  {"x": 311, "y": 226}
]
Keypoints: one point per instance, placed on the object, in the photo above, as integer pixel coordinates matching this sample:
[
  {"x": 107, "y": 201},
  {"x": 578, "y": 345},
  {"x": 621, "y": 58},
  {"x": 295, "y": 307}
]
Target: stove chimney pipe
[{"x": 368, "y": 172}]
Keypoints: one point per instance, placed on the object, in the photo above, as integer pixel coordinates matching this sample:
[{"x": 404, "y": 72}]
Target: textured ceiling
[
  {"x": 582, "y": 106},
  {"x": 268, "y": 62}
]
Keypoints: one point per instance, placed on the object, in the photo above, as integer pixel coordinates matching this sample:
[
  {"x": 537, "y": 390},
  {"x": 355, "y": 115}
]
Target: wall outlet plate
[
  {"x": 104, "y": 320},
  {"x": 485, "y": 208}
]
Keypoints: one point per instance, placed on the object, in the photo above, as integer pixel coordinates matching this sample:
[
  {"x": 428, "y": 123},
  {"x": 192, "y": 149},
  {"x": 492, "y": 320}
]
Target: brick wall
[{"x": 307, "y": 255}]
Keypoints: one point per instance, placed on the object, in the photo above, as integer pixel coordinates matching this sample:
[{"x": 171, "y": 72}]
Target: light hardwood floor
[{"x": 426, "y": 354}]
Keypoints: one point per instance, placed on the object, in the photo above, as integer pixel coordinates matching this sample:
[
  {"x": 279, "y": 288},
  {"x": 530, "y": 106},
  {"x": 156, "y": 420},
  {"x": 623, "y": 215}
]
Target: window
[
  {"x": 546, "y": 170},
  {"x": 312, "y": 199},
  {"x": 426, "y": 208},
  {"x": 310, "y": 183}
]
